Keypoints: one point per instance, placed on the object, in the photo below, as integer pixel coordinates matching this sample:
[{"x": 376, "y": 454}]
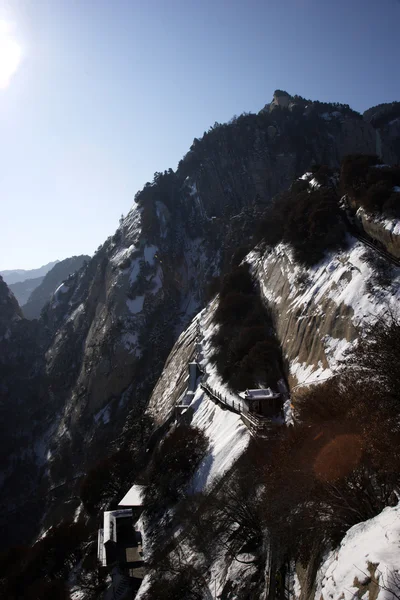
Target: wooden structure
[{"x": 264, "y": 402}]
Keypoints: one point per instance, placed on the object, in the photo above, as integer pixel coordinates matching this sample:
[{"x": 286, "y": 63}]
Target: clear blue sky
[{"x": 110, "y": 91}]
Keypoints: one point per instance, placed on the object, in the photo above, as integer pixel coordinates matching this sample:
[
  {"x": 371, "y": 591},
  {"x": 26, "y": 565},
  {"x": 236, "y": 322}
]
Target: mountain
[
  {"x": 23, "y": 289},
  {"x": 47, "y": 286},
  {"x": 91, "y": 387},
  {"x": 385, "y": 118},
  {"x": 17, "y": 275}
]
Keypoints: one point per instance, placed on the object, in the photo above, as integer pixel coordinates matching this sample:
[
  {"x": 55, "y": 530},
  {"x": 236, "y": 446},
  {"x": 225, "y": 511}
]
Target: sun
[{"x": 10, "y": 54}]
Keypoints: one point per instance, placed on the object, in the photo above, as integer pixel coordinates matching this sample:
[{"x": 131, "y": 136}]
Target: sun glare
[{"x": 10, "y": 54}]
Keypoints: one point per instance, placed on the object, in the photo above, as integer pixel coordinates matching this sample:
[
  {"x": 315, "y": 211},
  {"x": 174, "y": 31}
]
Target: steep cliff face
[
  {"x": 385, "y": 118},
  {"x": 320, "y": 313},
  {"x": 384, "y": 230},
  {"x": 116, "y": 321},
  {"x": 109, "y": 328},
  {"x": 23, "y": 419}
]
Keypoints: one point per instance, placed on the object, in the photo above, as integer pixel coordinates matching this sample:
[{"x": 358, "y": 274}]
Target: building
[
  {"x": 119, "y": 542},
  {"x": 264, "y": 402}
]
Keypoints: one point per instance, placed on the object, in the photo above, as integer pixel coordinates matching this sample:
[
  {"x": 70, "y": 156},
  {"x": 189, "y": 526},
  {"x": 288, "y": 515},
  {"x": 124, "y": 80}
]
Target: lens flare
[
  {"x": 10, "y": 54},
  {"x": 338, "y": 457}
]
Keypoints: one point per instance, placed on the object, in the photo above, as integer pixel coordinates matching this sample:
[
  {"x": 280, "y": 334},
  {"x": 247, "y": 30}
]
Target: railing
[
  {"x": 384, "y": 253},
  {"x": 257, "y": 424},
  {"x": 236, "y": 405}
]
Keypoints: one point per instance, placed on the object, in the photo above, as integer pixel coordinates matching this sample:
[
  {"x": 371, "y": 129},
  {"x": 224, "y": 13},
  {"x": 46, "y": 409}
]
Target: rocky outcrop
[
  {"x": 386, "y": 231},
  {"x": 385, "y": 118}
]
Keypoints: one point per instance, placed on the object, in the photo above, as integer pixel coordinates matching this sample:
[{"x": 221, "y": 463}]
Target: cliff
[{"x": 102, "y": 341}]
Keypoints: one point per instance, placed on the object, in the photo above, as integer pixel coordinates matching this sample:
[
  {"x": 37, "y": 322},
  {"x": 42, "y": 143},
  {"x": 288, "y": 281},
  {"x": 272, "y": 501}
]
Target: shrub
[
  {"x": 173, "y": 465},
  {"x": 247, "y": 350},
  {"x": 184, "y": 582},
  {"x": 354, "y": 172},
  {"x": 108, "y": 476},
  {"x": 376, "y": 196},
  {"x": 233, "y": 307},
  {"x": 40, "y": 571},
  {"x": 238, "y": 280},
  {"x": 391, "y": 207},
  {"x": 314, "y": 225}
]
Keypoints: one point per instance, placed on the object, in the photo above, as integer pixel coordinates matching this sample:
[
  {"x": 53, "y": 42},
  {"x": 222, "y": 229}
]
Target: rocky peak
[{"x": 281, "y": 98}]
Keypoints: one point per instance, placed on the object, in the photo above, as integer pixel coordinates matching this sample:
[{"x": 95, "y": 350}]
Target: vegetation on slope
[
  {"x": 247, "y": 351},
  {"x": 371, "y": 184},
  {"x": 294, "y": 495}
]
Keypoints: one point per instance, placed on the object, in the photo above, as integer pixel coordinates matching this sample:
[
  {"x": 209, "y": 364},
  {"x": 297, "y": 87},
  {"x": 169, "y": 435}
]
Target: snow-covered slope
[
  {"x": 366, "y": 564},
  {"x": 320, "y": 311}
]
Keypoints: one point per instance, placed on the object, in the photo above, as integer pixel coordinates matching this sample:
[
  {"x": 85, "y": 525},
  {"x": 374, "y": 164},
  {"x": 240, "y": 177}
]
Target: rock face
[
  {"x": 385, "y": 231},
  {"x": 23, "y": 418},
  {"x": 41, "y": 293},
  {"x": 101, "y": 343},
  {"x": 385, "y": 118}
]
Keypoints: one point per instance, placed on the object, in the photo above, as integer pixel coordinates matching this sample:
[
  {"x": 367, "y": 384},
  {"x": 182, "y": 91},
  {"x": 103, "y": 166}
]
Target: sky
[{"x": 97, "y": 95}]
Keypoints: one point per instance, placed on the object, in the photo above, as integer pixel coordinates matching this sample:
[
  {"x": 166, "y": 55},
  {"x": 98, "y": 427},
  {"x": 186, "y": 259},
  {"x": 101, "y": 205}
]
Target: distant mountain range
[
  {"x": 16, "y": 275},
  {"x": 23, "y": 289},
  {"x": 42, "y": 293}
]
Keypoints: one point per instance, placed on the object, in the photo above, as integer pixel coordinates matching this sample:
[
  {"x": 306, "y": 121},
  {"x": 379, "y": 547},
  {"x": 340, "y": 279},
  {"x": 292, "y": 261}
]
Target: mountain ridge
[{"x": 101, "y": 344}]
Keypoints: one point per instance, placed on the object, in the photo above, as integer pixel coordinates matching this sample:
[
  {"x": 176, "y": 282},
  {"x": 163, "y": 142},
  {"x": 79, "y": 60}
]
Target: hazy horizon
[{"x": 96, "y": 97}]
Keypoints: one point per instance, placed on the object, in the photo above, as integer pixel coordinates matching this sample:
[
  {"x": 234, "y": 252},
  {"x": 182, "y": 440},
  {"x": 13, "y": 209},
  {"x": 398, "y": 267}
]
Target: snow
[
  {"x": 193, "y": 189},
  {"x": 136, "y": 305},
  {"x": 149, "y": 254},
  {"x": 122, "y": 255},
  {"x": 330, "y": 279},
  {"x": 341, "y": 277},
  {"x": 103, "y": 415},
  {"x": 135, "y": 270},
  {"x": 62, "y": 289},
  {"x": 130, "y": 342},
  {"x": 134, "y": 497},
  {"x": 162, "y": 213},
  {"x": 228, "y": 438},
  {"x": 391, "y": 225},
  {"x": 373, "y": 542},
  {"x": 307, "y": 374},
  {"x": 296, "y": 586},
  {"x": 335, "y": 350},
  {"x": 314, "y": 184}
]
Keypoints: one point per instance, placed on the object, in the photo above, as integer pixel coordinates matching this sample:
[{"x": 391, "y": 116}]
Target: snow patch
[
  {"x": 136, "y": 305},
  {"x": 103, "y": 416},
  {"x": 149, "y": 254},
  {"x": 135, "y": 270},
  {"x": 228, "y": 438},
  {"x": 130, "y": 342},
  {"x": 373, "y": 542}
]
